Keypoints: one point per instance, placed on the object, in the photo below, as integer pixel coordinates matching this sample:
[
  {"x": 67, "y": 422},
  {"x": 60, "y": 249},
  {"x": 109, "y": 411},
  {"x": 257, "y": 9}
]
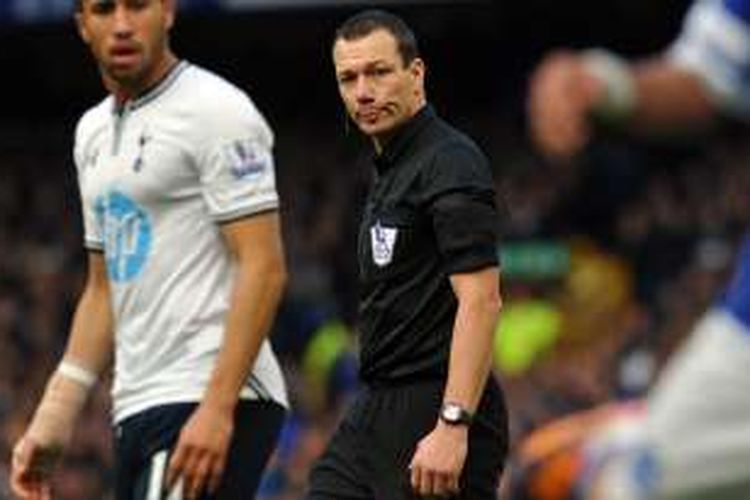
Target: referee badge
[{"x": 383, "y": 242}]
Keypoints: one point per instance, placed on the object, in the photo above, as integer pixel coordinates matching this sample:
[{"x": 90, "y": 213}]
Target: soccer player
[
  {"x": 430, "y": 419},
  {"x": 185, "y": 271},
  {"x": 696, "y": 438}
]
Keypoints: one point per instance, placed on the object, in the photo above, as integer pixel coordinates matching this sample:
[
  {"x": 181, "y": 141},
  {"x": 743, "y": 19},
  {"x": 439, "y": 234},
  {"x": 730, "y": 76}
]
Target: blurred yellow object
[
  {"x": 525, "y": 330},
  {"x": 327, "y": 344},
  {"x": 596, "y": 292}
]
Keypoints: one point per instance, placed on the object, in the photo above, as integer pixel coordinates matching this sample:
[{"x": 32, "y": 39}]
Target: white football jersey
[
  {"x": 714, "y": 44},
  {"x": 157, "y": 177}
]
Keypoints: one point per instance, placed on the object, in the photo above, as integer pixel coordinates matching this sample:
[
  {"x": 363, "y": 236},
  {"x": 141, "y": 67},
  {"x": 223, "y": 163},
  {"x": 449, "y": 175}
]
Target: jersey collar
[
  {"x": 395, "y": 147},
  {"x": 155, "y": 90}
]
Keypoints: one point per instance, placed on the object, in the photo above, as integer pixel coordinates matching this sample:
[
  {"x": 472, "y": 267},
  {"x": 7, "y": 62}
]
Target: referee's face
[
  {"x": 128, "y": 38},
  {"x": 379, "y": 91}
]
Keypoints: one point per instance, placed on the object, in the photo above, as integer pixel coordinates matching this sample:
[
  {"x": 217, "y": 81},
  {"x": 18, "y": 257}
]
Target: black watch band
[{"x": 455, "y": 414}]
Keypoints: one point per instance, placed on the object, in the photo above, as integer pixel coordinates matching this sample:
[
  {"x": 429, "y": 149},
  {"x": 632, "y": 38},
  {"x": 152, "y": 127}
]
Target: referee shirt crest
[{"x": 383, "y": 241}]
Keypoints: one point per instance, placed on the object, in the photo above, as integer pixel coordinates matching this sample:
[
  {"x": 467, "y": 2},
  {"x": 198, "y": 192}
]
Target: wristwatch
[{"x": 455, "y": 414}]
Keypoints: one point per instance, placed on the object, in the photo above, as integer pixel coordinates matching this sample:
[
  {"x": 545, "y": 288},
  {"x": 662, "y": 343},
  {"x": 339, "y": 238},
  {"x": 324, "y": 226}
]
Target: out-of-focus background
[{"x": 607, "y": 261}]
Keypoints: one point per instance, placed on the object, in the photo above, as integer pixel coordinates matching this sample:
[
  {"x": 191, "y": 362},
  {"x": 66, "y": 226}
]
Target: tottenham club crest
[
  {"x": 127, "y": 231},
  {"x": 383, "y": 242}
]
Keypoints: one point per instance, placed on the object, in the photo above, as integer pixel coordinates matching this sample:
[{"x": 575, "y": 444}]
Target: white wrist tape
[
  {"x": 614, "y": 72},
  {"x": 55, "y": 416},
  {"x": 77, "y": 373}
]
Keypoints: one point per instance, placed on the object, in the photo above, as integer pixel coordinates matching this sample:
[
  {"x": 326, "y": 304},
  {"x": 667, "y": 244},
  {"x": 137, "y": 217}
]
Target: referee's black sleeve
[{"x": 460, "y": 197}]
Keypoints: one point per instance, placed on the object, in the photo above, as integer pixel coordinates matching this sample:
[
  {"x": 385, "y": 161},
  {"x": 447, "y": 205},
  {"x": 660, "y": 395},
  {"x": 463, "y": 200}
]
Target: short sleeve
[
  {"x": 235, "y": 162},
  {"x": 714, "y": 44},
  {"x": 460, "y": 199}
]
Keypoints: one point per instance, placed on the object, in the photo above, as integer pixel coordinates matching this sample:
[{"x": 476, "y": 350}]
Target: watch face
[{"x": 452, "y": 413}]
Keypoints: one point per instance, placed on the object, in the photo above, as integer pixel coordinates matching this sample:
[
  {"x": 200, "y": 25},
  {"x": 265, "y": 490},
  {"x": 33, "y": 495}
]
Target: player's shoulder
[
  {"x": 219, "y": 101},
  {"x": 199, "y": 78}
]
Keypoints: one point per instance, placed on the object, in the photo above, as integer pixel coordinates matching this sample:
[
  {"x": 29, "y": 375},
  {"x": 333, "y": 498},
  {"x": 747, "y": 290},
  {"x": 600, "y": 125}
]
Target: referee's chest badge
[{"x": 383, "y": 242}]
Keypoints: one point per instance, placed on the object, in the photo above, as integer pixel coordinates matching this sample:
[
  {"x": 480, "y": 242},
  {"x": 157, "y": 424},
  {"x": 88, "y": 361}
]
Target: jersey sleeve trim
[
  {"x": 243, "y": 212},
  {"x": 248, "y": 215}
]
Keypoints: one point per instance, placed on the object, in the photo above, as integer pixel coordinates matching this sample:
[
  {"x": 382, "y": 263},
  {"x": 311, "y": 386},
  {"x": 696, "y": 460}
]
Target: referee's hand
[
  {"x": 201, "y": 451},
  {"x": 439, "y": 459}
]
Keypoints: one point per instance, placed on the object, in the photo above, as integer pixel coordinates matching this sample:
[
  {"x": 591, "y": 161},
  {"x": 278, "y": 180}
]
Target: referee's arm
[
  {"x": 439, "y": 459},
  {"x": 470, "y": 362}
]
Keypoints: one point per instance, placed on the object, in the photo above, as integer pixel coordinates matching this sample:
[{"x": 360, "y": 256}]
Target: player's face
[
  {"x": 380, "y": 93},
  {"x": 128, "y": 38}
]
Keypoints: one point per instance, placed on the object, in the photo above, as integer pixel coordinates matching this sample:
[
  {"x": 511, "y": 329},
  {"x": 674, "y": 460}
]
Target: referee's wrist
[
  {"x": 455, "y": 414},
  {"x": 457, "y": 431}
]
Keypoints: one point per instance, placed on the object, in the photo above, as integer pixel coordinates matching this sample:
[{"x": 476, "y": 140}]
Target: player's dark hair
[{"x": 362, "y": 24}]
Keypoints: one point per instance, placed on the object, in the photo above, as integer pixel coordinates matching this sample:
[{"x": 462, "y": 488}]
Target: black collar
[{"x": 395, "y": 147}]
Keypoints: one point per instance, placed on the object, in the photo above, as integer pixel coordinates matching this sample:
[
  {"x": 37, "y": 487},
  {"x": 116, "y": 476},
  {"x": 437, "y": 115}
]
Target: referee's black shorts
[
  {"x": 368, "y": 455},
  {"x": 143, "y": 444}
]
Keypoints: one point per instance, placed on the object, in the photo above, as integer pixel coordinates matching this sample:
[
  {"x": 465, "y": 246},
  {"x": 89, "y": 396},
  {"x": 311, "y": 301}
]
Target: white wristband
[
  {"x": 77, "y": 373},
  {"x": 620, "y": 95}
]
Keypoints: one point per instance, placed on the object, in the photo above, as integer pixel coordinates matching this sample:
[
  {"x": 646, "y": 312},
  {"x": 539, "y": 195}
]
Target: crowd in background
[
  {"x": 607, "y": 265},
  {"x": 607, "y": 262}
]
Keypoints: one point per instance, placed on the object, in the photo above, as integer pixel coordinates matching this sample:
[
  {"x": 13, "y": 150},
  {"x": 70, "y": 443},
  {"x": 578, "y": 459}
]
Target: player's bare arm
[
  {"x": 255, "y": 243},
  {"x": 569, "y": 90},
  {"x": 88, "y": 353}
]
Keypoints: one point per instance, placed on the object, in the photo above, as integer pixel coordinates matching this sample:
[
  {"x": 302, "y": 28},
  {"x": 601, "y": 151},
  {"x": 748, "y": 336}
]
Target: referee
[{"x": 430, "y": 421}]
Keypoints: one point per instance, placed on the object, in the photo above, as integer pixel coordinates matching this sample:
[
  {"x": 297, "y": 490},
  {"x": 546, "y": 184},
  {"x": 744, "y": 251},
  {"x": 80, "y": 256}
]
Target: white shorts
[
  {"x": 693, "y": 441},
  {"x": 698, "y": 416}
]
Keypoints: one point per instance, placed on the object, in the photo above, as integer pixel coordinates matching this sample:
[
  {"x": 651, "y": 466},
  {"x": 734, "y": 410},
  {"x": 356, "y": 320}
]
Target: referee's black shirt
[{"x": 431, "y": 213}]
